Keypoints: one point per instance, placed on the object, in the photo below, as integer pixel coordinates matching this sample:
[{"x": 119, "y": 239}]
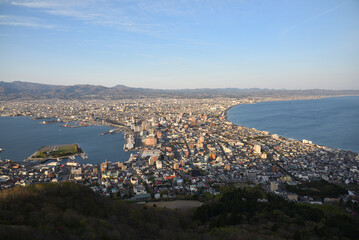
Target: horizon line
[{"x": 178, "y": 89}]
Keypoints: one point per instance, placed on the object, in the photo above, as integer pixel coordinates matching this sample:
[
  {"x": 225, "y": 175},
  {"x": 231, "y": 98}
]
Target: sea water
[
  {"x": 331, "y": 122},
  {"x": 22, "y": 136}
]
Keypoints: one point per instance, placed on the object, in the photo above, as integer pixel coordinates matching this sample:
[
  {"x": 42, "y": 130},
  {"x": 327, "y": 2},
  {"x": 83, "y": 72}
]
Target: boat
[{"x": 1, "y": 149}]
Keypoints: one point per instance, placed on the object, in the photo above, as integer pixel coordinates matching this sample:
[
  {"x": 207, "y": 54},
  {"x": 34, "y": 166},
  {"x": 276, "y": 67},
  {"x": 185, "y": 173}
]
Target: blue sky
[{"x": 293, "y": 44}]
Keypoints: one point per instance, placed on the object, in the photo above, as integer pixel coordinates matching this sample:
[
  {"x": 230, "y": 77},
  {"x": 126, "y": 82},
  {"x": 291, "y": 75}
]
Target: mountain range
[{"x": 28, "y": 91}]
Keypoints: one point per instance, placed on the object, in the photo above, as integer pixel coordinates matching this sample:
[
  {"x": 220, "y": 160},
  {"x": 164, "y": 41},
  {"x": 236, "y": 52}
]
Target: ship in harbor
[{"x": 112, "y": 131}]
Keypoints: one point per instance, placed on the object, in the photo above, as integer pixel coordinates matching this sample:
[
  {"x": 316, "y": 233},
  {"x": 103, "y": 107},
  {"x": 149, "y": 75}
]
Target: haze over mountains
[{"x": 26, "y": 90}]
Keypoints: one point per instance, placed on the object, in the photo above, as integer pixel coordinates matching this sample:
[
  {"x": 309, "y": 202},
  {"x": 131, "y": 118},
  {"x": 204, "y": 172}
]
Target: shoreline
[
  {"x": 225, "y": 113},
  {"x": 80, "y": 157}
]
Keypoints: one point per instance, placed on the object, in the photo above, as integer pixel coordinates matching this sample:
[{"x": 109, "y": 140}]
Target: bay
[
  {"x": 22, "y": 136},
  {"x": 331, "y": 122}
]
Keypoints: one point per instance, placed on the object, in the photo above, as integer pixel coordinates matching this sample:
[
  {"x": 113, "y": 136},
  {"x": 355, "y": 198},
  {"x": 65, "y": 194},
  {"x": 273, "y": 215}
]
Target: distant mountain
[{"x": 26, "y": 90}]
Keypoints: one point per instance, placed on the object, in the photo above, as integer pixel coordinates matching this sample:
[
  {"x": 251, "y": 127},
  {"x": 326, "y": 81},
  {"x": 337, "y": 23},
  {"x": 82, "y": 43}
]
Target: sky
[{"x": 171, "y": 44}]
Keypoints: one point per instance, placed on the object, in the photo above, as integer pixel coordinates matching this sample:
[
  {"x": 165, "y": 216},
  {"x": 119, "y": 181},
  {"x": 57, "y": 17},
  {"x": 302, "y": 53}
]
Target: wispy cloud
[
  {"x": 315, "y": 16},
  {"x": 157, "y": 19},
  {"x": 40, "y": 4},
  {"x": 127, "y": 15},
  {"x": 23, "y": 22},
  {"x": 124, "y": 16}
]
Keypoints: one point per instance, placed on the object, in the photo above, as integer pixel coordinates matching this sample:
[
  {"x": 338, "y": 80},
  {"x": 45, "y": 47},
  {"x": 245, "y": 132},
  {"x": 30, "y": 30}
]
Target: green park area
[{"x": 58, "y": 151}]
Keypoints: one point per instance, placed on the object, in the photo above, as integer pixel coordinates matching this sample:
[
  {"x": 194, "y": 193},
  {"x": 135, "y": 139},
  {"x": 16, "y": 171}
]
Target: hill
[
  {"x": 27, "y": 91},
  {"x": 252, "y": 210},
  {"x": 72, "y": 211}
]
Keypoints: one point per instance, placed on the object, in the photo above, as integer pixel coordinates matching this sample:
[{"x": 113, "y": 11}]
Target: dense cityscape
[{"x": 180, "y": 148}]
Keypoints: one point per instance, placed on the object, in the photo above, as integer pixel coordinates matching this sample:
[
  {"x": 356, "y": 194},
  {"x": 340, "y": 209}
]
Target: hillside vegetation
[
  {"x": 252, "y": 210},
  {"x": 72, "y": 211}
]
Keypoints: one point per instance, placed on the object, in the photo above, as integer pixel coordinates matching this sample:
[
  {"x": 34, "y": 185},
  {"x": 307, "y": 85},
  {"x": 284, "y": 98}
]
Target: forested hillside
[{"x": 72, "y": 211}]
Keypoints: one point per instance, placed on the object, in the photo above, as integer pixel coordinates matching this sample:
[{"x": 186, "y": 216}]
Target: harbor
[{"x": 30, "y": 135}]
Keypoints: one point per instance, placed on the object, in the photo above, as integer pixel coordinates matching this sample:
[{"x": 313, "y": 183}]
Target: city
[
  {"x": 181, "y": 148},
  {"x": 167, "y": 119}
]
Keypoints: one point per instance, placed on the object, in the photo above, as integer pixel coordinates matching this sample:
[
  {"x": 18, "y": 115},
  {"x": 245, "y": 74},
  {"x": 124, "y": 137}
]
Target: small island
[{"x": 56, "y": 152}]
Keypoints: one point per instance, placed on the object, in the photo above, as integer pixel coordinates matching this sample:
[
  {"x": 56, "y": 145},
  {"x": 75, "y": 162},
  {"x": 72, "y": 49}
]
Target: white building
[
  {"x": 158, "y": 164},
  {"x": 257, "y": 148}
]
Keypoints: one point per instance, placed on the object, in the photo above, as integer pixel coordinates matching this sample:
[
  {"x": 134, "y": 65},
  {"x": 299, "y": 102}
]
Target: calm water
[
  {"x": 332, "y": 122},
  {"x": 21, "y": 136}
]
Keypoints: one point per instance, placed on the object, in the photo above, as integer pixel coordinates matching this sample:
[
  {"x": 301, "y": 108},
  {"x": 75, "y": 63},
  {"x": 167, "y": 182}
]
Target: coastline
[
  {"x": 225, "y": 114},
  {"x": 89, "y": 143}
]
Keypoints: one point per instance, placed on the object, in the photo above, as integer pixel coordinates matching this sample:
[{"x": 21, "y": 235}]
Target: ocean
[
  {"x": 331, "y": 122},
  {"x": 22, "y": 136}
]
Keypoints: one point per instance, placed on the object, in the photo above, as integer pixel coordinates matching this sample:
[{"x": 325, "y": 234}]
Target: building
[
  {"x": 292, "y": 197},
  {"x": 139, "y": 189},
  {"x": 252, "y": 176},
  {"x": 275, "y": 136},
  {"x": 104, "y": 166},
  {"x": 257, "y": 148},
  {"x": 150, "y": 153},
  {"x": 183, "y": 163},
  {"x": 158, "y": 164},
  {"x": 227, "y": 167},
  {"x": 179, "y": 182},
  {"x": 150, "y": 141},
  {"x": 273, "y": 186},
  {"x": 151, "y": 161}
]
